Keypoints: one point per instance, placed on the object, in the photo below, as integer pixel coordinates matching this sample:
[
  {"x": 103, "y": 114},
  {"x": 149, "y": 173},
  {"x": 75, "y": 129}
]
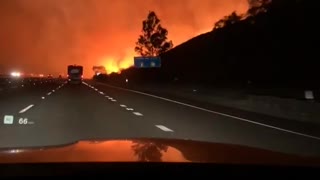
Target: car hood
[{"x": 153, "y": 150}]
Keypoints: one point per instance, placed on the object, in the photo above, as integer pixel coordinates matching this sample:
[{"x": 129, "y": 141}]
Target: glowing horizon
[{"x": 46, "y": 36}]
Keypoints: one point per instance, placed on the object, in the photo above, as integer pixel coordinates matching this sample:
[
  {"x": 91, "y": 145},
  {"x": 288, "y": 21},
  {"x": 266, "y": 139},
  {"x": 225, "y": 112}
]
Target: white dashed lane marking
[
  {"x": 114, "y": 100},
  {"x": 49, "y": 94},
  {"x": 216, "y": 112},
  {"x": 137, "y": 114},
  {"x": 42, "y": 97},
  {"x": 26, "y": 109},
  {"x": 163, "y": 128}
]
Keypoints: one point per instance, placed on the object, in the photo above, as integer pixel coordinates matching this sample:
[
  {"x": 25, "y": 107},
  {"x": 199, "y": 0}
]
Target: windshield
[{"x": 233, "y": 72}]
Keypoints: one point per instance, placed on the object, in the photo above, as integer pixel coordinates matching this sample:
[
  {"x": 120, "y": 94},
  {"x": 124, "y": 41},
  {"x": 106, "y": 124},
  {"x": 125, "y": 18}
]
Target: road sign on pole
[{"x": 147, "y": 62}]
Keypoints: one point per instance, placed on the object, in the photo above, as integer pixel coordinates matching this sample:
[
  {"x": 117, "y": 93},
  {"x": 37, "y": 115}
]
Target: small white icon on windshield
[{"x": 8, "y": 119}]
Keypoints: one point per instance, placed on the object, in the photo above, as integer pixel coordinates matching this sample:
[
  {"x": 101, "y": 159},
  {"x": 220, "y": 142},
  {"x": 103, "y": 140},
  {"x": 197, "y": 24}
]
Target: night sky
[{"x": 44, "y": 36}]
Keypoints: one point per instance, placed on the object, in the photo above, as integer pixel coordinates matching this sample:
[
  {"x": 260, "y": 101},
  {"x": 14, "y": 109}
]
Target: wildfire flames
[
  {"x": 112, "y": 64},
  {"x": 45, "y": 36}
]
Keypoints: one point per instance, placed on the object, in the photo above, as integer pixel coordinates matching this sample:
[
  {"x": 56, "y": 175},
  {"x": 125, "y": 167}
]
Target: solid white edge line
[
  {"x": 26, "y": 109},
  {"x": 164, "y": 128},
  {"x": 215, "y": 112}
]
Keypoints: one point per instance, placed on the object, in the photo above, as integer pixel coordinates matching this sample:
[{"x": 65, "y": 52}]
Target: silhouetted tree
[
  {"x": 269, "y": 48},
  {"x": 99, "y": 69},
  {"x": 153, "y": 40},
  {"x": 257, "y": 6},
  {"x": 149, "y": 151},
  {"x": 227, "y": 20}
]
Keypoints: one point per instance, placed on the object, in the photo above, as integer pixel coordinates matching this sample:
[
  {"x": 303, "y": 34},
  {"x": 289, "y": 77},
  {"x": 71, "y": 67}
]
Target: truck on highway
[{"x": 75, "y": 74}]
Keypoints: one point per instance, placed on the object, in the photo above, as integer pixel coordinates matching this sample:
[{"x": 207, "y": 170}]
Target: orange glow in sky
[{"x": 44, "y": 36}]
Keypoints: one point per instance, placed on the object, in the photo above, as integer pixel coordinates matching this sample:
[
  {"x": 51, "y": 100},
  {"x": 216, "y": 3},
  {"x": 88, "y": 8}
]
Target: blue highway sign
[{"x": 147, "y": 62}]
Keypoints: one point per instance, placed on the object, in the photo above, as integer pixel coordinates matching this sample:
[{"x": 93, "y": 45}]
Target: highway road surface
[{"x": 44, "y": 113}]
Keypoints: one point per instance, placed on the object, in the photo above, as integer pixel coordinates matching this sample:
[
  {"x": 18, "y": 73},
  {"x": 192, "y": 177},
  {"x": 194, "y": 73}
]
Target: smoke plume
[{"x": 44, "y": 36}]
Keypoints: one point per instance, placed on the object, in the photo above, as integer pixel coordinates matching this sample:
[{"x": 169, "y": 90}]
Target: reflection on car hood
[{"x": 153, "y": 150}]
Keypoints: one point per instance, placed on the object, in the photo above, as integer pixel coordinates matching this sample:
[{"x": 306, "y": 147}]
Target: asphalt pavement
[{"x": 44, "y": 113}]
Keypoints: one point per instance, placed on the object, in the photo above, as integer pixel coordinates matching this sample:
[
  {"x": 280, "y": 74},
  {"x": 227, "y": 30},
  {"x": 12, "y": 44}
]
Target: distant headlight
[{"x": 15, "y": 74}]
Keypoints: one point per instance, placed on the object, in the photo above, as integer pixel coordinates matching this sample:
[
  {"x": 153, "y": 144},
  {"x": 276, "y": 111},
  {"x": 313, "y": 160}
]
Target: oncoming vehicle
[{"x": 75, "y": 74}]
